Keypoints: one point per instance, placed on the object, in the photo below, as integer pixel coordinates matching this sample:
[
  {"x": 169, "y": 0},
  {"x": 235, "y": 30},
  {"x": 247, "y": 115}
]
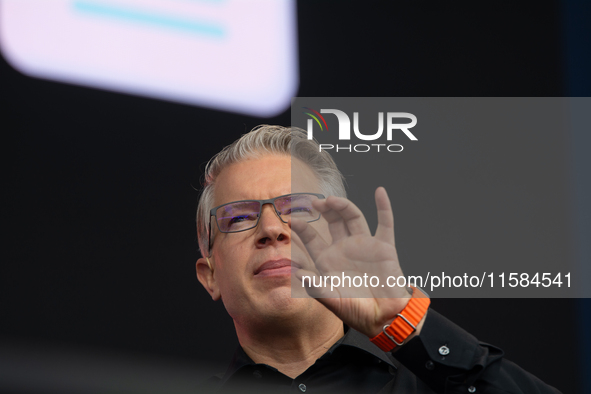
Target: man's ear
[{"x": 206, "y": 276}]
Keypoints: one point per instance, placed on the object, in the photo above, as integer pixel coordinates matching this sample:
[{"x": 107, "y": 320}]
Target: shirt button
[
  {"x": 257, "y": 374},
  {"x": 302, "y": 387},
  {"x": 444, "y": 350},
  {"x": 430, "y": 365},
  {"x": 471, "y": 389}
]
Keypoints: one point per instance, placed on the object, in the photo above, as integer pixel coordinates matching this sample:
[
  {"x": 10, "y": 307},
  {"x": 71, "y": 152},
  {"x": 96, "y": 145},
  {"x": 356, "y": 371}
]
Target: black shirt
[{"x": 443, "y": 359}]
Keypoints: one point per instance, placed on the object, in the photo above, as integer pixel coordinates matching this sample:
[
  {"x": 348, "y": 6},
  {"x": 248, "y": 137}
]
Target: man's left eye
[{"x": 296, "y": 210}]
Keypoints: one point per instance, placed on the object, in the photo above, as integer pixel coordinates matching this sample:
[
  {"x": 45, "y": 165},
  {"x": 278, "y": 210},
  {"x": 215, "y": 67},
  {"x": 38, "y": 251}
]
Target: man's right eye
[
  {"x": 237, "y": 219},
  {"x": 241, "y": 218}
]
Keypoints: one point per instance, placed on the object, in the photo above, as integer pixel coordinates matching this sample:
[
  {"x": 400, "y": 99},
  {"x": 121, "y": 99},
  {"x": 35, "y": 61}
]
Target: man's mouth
[{"x": 276, "y": 267}]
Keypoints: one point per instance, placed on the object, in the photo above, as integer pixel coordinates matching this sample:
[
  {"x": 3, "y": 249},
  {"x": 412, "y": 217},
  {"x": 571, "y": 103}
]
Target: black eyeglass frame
[{"x": 271, "y": 201}]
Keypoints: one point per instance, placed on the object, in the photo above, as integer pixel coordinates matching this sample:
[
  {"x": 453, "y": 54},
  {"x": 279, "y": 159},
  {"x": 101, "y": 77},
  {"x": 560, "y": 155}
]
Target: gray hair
[{"x": 260, "y": 141}]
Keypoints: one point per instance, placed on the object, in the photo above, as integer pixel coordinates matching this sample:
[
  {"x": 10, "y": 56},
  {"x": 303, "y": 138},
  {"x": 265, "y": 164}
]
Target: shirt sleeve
[{"x": 450, "y": 360}]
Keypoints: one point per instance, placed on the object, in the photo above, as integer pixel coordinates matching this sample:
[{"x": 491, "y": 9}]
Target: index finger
[{"x": 385, "y": 230}]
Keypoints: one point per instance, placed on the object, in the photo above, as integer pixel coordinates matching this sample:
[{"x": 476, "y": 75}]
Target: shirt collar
[{"x": 352, "y": 338}]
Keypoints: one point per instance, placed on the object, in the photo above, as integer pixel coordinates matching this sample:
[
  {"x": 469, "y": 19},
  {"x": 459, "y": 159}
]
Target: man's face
[{"x": 252, "y": 291}]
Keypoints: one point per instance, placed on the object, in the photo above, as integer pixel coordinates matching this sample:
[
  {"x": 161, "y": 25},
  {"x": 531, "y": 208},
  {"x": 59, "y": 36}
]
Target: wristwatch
[{"x": 405, "y": 322}]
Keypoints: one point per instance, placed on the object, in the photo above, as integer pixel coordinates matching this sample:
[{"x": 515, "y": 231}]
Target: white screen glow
[{"x": 235, "y": 55}]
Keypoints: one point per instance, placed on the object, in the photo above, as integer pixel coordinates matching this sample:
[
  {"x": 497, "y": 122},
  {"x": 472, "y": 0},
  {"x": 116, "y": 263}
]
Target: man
[{"x": 271, "y": 181}]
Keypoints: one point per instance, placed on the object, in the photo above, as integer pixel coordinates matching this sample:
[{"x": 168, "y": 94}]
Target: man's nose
[{"x": 271, "y": 229}]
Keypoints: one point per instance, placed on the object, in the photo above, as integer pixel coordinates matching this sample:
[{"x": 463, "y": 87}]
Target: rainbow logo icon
[{"x": 315, "y": 117}]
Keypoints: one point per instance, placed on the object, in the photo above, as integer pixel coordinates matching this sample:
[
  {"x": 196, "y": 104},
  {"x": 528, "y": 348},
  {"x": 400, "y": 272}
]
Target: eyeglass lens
[{"x": 244, "y": 215}]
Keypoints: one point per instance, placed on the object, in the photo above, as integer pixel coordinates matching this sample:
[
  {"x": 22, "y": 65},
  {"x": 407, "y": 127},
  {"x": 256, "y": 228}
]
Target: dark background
[{"x": 99, "y": 192}]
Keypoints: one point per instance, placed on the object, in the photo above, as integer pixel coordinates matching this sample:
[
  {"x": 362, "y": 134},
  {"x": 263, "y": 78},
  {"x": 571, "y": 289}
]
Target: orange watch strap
[{"x": 405, "y": 322}]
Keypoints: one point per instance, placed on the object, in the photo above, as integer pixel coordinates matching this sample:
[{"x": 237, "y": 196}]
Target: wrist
[
  {"x": 401, "y": 303},
  {"x": 417, "y": 332},
  {"x": 406, "y": 324}
]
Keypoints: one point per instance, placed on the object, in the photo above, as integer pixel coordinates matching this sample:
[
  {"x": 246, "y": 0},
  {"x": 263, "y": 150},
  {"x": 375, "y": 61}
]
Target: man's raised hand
[{"x": 343, "y": 247}]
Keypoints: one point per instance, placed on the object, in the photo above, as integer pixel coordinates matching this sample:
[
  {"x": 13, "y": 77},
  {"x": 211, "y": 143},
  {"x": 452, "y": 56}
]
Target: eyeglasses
[{"x": 238, "y": 216}]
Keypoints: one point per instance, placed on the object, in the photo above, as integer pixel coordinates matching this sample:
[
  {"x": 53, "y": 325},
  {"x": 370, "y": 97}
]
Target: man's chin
[{"x": 280, "y": 303}]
